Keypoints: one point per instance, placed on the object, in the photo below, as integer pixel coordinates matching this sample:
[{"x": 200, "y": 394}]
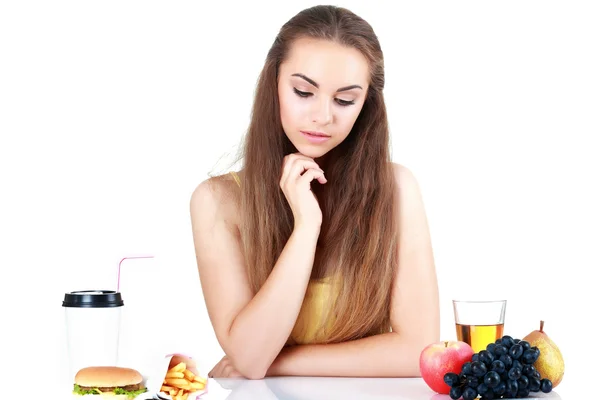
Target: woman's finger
[
  {"x": 216, "y": 371},
  {"x": 310, "y": 175},
  {"x": 296, "y": 165},
  {"x": 298, "y": 169}
]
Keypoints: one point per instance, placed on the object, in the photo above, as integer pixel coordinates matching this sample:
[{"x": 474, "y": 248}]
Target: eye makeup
[{"x": 308, "y": 94}]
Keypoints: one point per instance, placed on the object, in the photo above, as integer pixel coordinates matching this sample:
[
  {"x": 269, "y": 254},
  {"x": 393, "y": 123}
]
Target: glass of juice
[{"x": 479, "y": 323}]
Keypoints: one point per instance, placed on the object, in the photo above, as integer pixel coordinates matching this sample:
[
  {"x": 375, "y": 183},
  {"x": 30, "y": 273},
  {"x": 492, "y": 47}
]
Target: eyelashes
[
  {"x": 308, "y": 94},
  {"x": 302, "y": 94}
]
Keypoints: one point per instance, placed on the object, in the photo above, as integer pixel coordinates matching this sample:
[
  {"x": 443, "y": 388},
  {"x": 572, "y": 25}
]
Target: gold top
[{"x": 236, "y": 177}]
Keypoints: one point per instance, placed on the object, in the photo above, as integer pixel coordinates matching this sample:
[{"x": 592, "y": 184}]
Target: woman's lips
[{"x": 315, "y": 137}]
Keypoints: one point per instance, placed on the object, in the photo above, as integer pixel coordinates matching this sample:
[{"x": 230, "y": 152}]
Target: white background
[{"x": 112, "y": 112}]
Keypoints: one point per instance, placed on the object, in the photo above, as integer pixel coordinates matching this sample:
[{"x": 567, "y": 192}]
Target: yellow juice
[{"x": 479, "y": 336}]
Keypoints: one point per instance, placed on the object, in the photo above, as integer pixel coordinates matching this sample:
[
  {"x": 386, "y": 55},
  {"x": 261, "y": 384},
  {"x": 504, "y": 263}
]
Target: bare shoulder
[
  {"x": 405, "y": 179},
  {"x": 410, "y": 199},
  {"x": 216, "y": 198}
]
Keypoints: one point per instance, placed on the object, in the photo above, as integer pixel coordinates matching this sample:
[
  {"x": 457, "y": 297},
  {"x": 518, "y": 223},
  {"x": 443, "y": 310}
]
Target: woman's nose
[{"x": 322, "y": 112}]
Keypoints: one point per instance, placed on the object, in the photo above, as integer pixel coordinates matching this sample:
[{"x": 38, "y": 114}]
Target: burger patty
[{"x": 128, "y": 388}]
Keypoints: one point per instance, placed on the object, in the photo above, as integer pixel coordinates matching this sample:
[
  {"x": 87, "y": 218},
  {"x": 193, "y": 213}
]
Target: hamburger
[{"x": 115, "y": 383}]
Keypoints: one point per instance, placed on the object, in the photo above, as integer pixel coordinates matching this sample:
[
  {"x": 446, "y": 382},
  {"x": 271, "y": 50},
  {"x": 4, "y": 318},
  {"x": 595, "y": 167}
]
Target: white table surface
[
  {"x": 310, "y": 388},
  {"x": 320, "y": 388}
]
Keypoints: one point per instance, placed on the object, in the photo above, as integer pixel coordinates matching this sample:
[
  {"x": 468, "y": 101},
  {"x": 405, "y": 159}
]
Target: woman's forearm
[
  {"x": 261, "y": 329},
  {"x": 384, "y": 355}
]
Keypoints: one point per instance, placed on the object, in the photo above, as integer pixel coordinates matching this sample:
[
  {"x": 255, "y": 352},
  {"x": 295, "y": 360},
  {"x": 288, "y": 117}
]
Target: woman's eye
[
  {"x": 339, "y": 101},
  {"x": 344, "y": 102},
  {"x": 302, "y": 94}
]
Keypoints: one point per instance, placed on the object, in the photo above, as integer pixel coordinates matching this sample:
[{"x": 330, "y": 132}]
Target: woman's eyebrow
[{"x": 315, "y": 84}]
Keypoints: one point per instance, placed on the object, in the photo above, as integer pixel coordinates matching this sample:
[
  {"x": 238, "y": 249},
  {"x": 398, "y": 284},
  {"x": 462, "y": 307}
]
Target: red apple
[{"x": 437, "y": 359}]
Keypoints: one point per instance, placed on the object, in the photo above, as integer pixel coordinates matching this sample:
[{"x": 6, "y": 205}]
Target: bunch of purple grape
[{"x": 503, "y": 370}]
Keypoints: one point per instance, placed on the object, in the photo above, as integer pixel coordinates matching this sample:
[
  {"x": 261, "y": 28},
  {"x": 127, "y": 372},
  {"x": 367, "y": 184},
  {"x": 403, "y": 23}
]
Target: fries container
[
  {"x": 93, "y": 322},
  {"x": 156, "y": 379}
]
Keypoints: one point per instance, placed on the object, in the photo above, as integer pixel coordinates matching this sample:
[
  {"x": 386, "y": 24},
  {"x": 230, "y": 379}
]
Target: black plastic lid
[{"x": 93, "y": 299}]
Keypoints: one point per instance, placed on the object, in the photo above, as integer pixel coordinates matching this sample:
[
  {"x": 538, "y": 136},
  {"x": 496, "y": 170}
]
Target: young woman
[{"x": 315, "y": 259}]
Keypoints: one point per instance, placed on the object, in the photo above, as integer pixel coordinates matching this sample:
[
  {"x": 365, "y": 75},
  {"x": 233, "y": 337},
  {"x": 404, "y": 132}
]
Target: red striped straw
[{"x": 119, "y": 268}]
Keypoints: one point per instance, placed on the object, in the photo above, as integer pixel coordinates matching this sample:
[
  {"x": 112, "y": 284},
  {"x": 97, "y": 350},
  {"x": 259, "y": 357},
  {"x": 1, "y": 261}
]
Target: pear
[{"x": 550, "y": 363}]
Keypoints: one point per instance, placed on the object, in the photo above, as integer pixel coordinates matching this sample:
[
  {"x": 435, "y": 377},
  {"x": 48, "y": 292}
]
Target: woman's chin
[{"x": 313, "y": 152}]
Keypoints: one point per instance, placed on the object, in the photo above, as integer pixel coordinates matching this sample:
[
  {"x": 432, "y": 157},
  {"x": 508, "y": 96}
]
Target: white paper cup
[{"x": 93, "y": 321}]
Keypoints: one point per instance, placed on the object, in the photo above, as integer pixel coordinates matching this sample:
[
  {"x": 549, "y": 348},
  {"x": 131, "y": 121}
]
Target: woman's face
[{"x": 322, "y": 87}]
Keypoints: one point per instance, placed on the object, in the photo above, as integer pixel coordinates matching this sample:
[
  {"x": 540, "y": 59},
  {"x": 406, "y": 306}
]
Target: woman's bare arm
[
  {"x": 414, "y": 316},
  {"x": 251, "y": 330}
]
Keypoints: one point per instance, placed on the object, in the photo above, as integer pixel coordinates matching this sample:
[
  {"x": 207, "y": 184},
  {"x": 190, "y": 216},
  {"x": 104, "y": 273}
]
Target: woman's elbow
[
  {"x": 253, "y": 373},
  {"x": 418, "y": 346},
  {"x": 409, "y": 366},
  {"x": 413, "y": 367},
  {"x": 249, "y": 369}
]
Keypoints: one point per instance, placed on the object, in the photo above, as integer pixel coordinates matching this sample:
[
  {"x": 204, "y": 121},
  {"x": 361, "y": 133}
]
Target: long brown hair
[{"x": 358, "y": 239}]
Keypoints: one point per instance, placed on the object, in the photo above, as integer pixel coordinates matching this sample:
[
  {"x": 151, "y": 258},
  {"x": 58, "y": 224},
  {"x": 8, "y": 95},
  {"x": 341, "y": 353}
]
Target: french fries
[{"x": 179, "y": 382}]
